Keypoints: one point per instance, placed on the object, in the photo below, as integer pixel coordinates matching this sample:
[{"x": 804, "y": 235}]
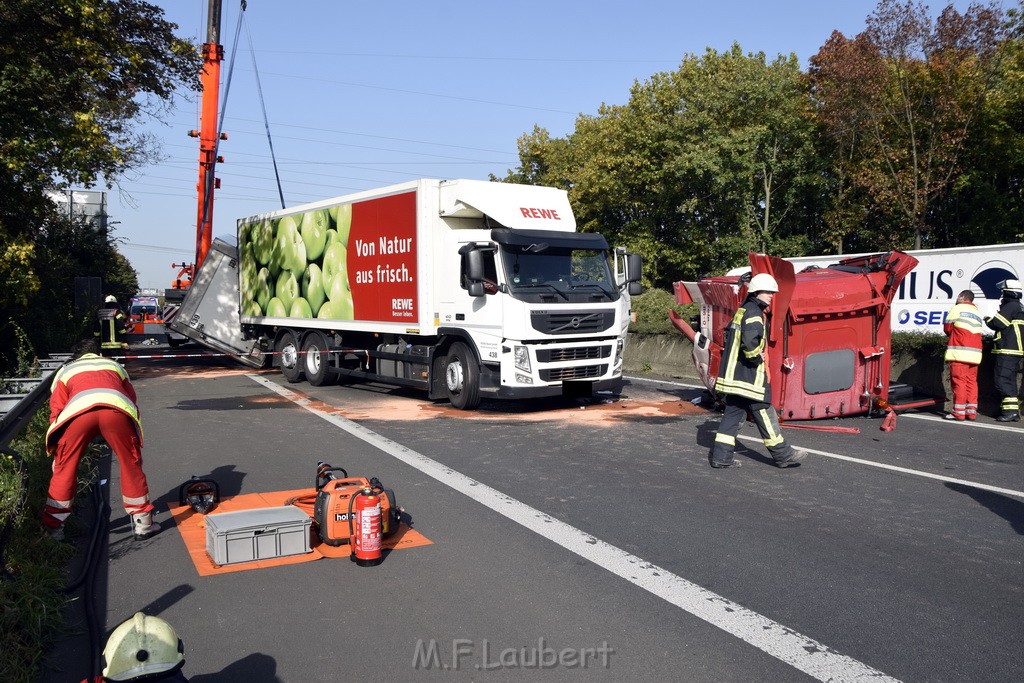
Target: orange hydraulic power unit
[
  {"x": 830, "y": 334},
  {"x": 333, "y": 508}
]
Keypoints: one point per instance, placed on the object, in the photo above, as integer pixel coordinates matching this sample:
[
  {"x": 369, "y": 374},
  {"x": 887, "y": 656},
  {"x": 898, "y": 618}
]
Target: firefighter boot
[
  {"x": 143, "y": 525},
  {"x": 1008, "y": 416}
]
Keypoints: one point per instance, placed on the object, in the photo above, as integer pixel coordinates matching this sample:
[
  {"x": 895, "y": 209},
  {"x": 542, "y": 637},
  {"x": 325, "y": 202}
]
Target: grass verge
[{"x": 32, "y": 602}]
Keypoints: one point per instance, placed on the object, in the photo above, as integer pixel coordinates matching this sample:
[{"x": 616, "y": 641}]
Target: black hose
[{"x": 87, "y": 576}]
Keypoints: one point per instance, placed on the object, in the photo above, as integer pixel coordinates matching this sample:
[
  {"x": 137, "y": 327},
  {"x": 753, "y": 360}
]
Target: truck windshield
[{"x": 537, "y": 272}]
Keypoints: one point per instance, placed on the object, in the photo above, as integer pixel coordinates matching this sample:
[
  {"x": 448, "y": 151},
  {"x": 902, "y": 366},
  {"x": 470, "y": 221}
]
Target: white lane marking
[
  {"x": 797, "y": 650},
  {"x": 970, "y": 424},
  {"x": 904, "y": 470}
]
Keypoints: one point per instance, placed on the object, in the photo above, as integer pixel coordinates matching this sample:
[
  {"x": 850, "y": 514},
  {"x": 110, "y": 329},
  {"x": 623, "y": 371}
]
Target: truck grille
[
  {"x": 582, "y": 372},
  {"x": 569, "y": 322},
  {"x": 574, "y": 353}
]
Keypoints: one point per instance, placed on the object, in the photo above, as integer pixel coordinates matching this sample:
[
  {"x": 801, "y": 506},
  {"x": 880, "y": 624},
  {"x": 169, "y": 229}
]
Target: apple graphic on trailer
[
  {"x": 335, "y": 257},
  {"x": 262, "y": 238},
  {"x": 263, "y": 289},
  {"x": 289, "y": 247},
  {"x": 251, "y": 308},
  {"x": 287, "y": 289},
  {"x": 276, "y": 308},
  {"x": 342, "y": 217},
  {"x": 313, "y": 287},
  {"x": 314, "y": 232},
  {"x": 300, "y": 309},
  {"x": 249, "y": 271}
]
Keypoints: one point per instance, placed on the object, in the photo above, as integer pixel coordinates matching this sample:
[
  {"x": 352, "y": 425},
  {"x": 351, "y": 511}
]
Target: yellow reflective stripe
[
  {"x": 725, "y": 439},
  {"x": 963, "y": 354},
  {"x": 90, "y": 362},
  {"x": 773, "y": 438}
]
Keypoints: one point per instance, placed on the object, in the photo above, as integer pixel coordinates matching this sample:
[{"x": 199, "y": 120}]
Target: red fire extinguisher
[{"x": 365, "y": 527}]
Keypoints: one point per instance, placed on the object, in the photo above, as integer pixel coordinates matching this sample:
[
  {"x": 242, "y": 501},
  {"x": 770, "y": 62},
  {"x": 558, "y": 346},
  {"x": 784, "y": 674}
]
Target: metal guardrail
[{"x": 22, "y": 410}]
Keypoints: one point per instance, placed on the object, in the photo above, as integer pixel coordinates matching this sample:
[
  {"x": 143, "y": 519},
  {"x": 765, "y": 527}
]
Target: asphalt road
[{"x": 582, "y": 541}]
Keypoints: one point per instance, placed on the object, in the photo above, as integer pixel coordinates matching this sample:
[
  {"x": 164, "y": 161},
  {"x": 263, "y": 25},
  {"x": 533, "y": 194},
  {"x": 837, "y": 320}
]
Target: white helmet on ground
[
  {"x": 762, "y": 282},
  {"x": 141, "y": 648}
]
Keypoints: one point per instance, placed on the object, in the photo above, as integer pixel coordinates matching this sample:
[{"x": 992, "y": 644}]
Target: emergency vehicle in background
[
  {"x": 464, "y": 288},
  {"x": 931, "y": 288},
  {"x": 830, "y": 331}
]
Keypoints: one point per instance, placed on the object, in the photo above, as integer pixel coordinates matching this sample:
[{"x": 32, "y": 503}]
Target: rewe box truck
[{"x": 464, "y": 288}]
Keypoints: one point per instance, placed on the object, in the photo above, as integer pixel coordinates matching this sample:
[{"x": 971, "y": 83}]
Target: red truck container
[{"x": 830, "y": 346}]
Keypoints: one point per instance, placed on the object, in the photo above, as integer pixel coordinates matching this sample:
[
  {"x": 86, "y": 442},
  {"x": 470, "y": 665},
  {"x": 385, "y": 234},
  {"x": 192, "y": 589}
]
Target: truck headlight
[
  {"x": 522, "y": 356},
  {"x": 619, "y": 345}
]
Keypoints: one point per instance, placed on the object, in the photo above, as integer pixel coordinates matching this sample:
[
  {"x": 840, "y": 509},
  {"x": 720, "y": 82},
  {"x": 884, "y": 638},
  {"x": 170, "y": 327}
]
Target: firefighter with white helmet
[
  {"x": 113, "y": 326},
  {"x": 143, "y": 648},
  {"x": 1008, "y": 349},
  {"x": 744, "y": 380}
]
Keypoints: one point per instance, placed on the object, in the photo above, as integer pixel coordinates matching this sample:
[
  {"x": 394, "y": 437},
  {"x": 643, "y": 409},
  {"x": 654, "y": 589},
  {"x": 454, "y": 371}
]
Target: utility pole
[{"x": 213, "y": 55}]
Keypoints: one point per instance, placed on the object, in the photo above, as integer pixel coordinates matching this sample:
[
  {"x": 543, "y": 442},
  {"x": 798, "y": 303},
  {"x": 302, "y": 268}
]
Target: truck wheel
[
  {"x": 288, "y": 357},
  {"x": 316, "y": 361},
  {"x": 462, "y": 377}
]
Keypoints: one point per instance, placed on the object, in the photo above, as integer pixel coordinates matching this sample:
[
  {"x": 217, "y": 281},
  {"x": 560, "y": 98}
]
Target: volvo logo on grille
[{"x": 575, "y": 322}]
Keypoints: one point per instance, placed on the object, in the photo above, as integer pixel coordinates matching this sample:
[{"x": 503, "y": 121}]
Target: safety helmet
[
  {"x": 763, "y": 282},
  {"x": 142, "y": 648},
  {"x": 1011, "y": 288},
  {"x": 111, "y": 299}
]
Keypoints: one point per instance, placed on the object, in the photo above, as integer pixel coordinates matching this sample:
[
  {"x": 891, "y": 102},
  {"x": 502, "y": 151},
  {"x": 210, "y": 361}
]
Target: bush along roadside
[
  {"x": 651, "y": 311},
  {"x": 32, "y": 599}
]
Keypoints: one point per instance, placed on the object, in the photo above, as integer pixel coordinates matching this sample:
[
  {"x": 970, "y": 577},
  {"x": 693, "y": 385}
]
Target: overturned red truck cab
[{"x": 829, "y": 351}]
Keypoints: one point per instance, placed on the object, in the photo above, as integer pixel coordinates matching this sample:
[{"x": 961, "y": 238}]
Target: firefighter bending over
[
  {"x": 92, "y": 396},
  {"x": 744, "y": 380}
]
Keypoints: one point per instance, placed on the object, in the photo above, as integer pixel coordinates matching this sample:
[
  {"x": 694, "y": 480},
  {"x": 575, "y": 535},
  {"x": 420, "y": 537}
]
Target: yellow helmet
[{"x": 142, "y": 647}]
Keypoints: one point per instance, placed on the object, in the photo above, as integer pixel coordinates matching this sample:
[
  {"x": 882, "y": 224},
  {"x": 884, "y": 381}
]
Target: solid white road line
[
  {"x": 904, "y": 470},
  {"x": 795, "y": 649}
]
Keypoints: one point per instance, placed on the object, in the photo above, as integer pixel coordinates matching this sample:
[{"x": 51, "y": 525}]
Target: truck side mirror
[
  {"x": 475, "y": 288},
  {"x": 634, "y": 268},
  {"x": 635, "y": 288},
  {"x": 475, "y": 265}
]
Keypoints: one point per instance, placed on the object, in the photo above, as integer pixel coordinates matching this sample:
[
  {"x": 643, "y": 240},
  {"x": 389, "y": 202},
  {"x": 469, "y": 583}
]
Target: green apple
[
  {"x": 264, "y": 291},
  {"x": 336, "y": 310},
  {"x": 276, "y": 308},
  {"x": 300, "y": 309},
  {"x": 314, "y": 232},
  {"x": 248, "y": 269},
  {"x": 332, "y": 237},
  {"x": 343, "y": 222},
  {"x": 287, "y": 289},
  {"x": 341, "y": 299},
  {"x": 251, "y": 308},
  {"x": 262, "y": 237},
  {"x": 289, "y": 249},
  {"x": 335, "y": 257},
  {"x": 313, "y": 287}
]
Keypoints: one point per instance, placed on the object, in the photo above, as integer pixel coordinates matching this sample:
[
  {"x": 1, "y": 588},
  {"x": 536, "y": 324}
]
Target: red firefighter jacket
[{"x": 86, "y": 383}]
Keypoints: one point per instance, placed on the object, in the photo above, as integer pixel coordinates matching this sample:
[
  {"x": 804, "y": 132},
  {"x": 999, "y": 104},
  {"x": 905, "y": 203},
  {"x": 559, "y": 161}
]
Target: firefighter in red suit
[
  {"x": 963, "y": 326},
  {"x": 92, "y": 396}
]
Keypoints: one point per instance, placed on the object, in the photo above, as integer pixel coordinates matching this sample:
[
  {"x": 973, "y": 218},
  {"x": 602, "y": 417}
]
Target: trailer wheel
[
  {"x": 316, "y": 361},
  {"x": 288, "y": 357},
  {"x": 462, "y": 377}
]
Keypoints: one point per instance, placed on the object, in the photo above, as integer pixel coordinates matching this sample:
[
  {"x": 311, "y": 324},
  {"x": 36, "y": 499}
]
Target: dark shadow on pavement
[
  {"x": 1010, "y": 509},
  {"x": 255, "y": 668}
]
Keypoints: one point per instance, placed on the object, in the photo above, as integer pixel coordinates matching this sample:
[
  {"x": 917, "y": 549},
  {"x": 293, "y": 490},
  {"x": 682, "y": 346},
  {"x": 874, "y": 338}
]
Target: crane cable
[{"x": 263, "y": 106}]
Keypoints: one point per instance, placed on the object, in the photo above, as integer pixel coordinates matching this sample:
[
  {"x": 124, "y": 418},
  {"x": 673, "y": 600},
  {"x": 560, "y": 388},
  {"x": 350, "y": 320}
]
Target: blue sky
[{"x": 362, "y": 95}]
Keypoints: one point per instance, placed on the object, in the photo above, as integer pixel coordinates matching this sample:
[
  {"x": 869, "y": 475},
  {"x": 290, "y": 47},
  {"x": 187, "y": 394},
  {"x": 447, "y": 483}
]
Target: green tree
[
  {"x": 75, "y": 78},
  {"x": 701, "y": 165},
  {"x": 899, "y": 103}
]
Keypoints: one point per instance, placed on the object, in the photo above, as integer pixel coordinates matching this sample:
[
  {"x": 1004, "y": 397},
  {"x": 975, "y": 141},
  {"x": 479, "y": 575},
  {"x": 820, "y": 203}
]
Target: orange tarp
[{"x": 192, "y": 526}]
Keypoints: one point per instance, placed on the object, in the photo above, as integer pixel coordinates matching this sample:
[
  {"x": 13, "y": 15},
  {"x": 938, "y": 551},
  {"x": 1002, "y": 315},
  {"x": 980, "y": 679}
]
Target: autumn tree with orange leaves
[{"x": 899, "y": 103}]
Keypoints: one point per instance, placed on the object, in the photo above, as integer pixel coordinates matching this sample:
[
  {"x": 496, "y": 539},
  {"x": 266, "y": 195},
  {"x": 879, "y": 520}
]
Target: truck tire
[
  {"x": 288, "y": 357},
  {"x": 462, "y": 377},
  {"x": 316, "y": 361}
]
